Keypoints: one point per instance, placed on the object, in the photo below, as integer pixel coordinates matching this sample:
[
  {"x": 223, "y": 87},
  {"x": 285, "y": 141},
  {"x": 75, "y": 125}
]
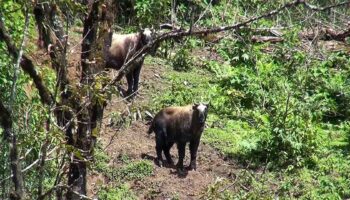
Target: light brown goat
[
  {"x": 179, "y": 125},
  {"x": 123, "y": 47}
]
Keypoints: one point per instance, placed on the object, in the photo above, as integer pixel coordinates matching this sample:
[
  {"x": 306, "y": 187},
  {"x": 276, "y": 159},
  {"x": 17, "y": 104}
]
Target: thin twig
[
  {"x": 65, "y": 187},
  {"x": 203, "y": 13},
  {"x": 16, "y": 68},
  {"x": 29, "y": 166}
]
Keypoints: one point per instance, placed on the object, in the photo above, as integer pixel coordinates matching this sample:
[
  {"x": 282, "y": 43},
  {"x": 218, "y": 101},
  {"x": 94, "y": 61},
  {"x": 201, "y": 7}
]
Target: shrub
[
  {"x": 182, "y": 60},
  {"x": 117, "y": 193}
]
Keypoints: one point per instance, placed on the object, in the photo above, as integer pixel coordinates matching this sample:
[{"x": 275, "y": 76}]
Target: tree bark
[
  {"x": 97, "y": 39},
  {"x": 17, "y": 178}
]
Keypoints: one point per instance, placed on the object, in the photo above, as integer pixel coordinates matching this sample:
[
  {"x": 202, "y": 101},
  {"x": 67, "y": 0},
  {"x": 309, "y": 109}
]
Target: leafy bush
[
  {"x": 117, "y": 193},
  {"x": 237, "y": 51},
  {"x": 182, "y": 60}
]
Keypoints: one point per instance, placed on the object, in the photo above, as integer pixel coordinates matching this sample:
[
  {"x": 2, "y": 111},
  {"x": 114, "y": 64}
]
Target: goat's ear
[{"x": 195, "y": 105}]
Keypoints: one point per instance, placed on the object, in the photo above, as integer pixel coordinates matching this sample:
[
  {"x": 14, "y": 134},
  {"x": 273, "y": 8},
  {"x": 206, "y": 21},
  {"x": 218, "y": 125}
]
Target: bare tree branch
[
  {"x": 29, "y": 166},
  {"x": 315, "y": 8},
  {"x": 273, "y": 39},
  {"x": 64, "y": 187},
  {"x": 326, "y": 34},
  {"x": 26, "y": 64},
  {"x": 16, "y": 68}
]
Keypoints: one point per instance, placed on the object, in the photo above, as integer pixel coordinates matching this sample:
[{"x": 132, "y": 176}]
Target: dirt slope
[{"x": 134, "y": 141}]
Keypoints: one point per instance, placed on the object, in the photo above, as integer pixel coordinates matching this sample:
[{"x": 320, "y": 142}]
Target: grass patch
[
  {"x": 131, "y": 170},
  {"x": 101, "y": 160},
  {"x": 117, "y": 193},
  {"x": 134, "y": 171}
]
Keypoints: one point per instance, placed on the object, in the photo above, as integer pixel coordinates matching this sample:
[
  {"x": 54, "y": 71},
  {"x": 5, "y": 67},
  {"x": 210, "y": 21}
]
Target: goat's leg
[
  {"x": 181, "y": 148},
  {"x": 193, "y": 150},
  {"x": 167, "y": 148},
  {"x": 159, "y": 148},
  {"x": 136, "y": 77},
  {"x": 130, "y": 80}
]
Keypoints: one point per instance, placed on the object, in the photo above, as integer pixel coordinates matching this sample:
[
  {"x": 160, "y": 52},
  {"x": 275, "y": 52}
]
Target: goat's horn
[{"x": 166, "y": 26}]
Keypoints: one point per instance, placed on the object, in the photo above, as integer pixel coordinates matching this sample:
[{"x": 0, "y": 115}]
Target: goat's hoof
[
  {"x": 181, "y": 171},
  {"x": 192, "y": 167},
  {"x": 170, "y": 162},
  {"x": 159, "y": 163},
  {"x": 180, "y": 167}
]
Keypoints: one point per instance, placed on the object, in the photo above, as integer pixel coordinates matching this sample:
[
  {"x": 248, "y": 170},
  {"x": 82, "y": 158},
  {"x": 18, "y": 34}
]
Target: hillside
[{"x": 274, "y": 75}]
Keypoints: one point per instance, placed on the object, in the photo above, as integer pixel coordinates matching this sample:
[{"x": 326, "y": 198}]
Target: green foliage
[
  {"x": 237, "y": 51},
  {"x": 28, "y": 114},
  {"x": 276, "y": 109},
  {"x": 184, "y": 88},
  {"x": 215, "y": 192},
  {"x": 284, "y": 111},
  {"x": 101, "y": 160},
  {"x": 117, "y": 193},
  {"x": 182, "y": 60},
  {"x": 146, "y": 9}
]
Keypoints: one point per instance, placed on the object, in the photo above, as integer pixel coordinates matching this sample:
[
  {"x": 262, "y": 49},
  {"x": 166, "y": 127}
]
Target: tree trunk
[
  {"x": 97, "y": 38},
  {"x": 17, "y": 178}
]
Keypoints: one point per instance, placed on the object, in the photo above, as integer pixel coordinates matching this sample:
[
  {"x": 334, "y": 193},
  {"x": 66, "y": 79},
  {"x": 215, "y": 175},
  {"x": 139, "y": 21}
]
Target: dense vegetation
[{"x": 279, "y": 111}]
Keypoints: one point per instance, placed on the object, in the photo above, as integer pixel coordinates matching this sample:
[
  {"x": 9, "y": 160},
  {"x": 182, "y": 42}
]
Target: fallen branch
[
  {"x": 183, "y": 33},
  {"x": 272, "y": 39},
  {"x": 179, "y": 34},
  {"x": 327, "y": 34},
  {"x": 315, "y": 8}
]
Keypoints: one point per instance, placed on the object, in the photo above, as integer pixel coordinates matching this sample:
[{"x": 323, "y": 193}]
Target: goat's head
[
  {"x": 201, "y": 112},
  {"x": 146, "y": 36}
]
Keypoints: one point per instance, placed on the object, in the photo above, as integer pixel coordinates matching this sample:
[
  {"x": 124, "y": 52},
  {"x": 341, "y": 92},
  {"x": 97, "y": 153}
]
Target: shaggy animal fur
[
  {"x": 123, "y": 47},
  {"x": 179, "y": 125}
]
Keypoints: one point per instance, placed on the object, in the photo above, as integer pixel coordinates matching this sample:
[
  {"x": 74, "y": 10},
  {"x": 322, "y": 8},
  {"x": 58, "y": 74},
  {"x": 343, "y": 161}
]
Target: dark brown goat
[
  {"x": 123, "y": 47},
  {"x": 179, "y": 125}
]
